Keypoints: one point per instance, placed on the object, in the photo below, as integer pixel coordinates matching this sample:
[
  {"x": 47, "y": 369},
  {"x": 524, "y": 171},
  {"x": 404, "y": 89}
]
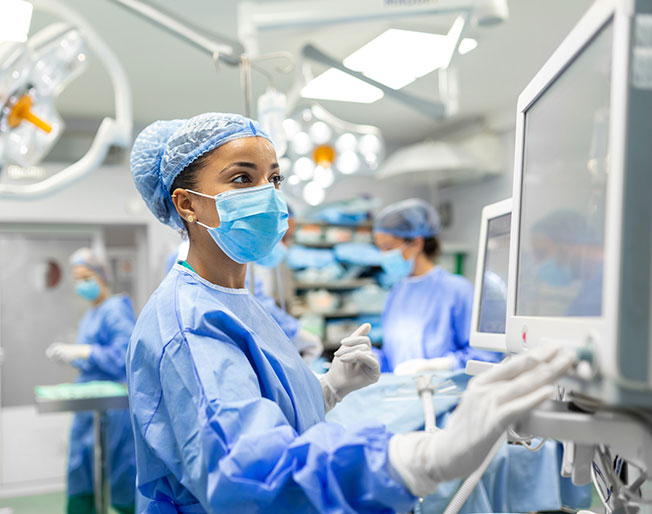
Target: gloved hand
[
  {"x": 491, "y": 402},
  {"x": 414, "y": 366},
  {"x": 354, "y": 366},
  {"x": 67, "y": 353}
]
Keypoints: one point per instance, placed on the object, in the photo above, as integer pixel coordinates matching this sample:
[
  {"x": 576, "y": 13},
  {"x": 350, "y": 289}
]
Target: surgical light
[
  {"x": 15, "y": 19},
  {"x": 369, "y": 144},
  {"x": 320, "y": 133},
  {"x": 304, "y": 168},
  {"x": 34, "y": 74},
  {"x": 348, "y": 162},
  {"x": 337, "y": 85},
  {"x": 313, "y": 193},
  {"x": 301, "y": 143},
  {"x": 346, "y": 142},
  {"x": 324, "y": 176},
  {"x": 291, "y": 127}
]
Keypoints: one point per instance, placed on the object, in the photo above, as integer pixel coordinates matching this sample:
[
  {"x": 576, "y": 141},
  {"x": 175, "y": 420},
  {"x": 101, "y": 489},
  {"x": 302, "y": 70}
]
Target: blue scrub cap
[
  {"x": 165, "y": 148},
  {"x": 409, "y": 219},
  {"x": 87, "y": 258}
]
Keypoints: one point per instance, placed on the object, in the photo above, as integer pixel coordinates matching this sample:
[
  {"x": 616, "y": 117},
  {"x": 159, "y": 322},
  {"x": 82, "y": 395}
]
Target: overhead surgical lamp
[
  {"x": 322, "y": 149},
  {"x": 32, "y": 75}
]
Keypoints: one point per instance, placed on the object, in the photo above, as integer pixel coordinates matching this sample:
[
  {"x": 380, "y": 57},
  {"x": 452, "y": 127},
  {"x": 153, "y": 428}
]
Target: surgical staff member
[
  {"x": 99, "y": 354},
  {"x": 427, "y": 317},
  {"x": 226, "y": 415}
]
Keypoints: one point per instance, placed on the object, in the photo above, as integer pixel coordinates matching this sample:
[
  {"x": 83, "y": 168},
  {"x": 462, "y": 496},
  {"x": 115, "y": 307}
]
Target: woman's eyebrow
[{"x": 249, "y": 165}]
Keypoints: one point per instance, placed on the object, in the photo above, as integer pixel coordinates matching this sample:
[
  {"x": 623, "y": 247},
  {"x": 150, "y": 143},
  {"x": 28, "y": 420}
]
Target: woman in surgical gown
[
  {"x": 99, "y": 354},
  {"x": 226, "y": 415},
  {"x": 427, "y": 316}
]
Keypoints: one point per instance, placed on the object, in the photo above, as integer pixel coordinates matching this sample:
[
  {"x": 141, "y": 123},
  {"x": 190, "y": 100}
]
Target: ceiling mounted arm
[
  {"x": 219, "y": 47},
  {"x": 435, "y": 110}
]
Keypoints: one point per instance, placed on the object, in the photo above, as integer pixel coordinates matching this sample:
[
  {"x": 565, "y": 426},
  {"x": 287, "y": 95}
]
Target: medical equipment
[
  {"x": 579, "y": 264},
  {"x": 569, "y": 209},
  {"x": 490, "y": 295},
  {"x": 323, "y": 149},
  {"x": 31, "y": 76}
]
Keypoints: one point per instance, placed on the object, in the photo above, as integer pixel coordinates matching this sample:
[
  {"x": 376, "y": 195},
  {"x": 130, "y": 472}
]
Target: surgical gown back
[
  {"x": 429, "y": 316},
  {"x": 107, "y": 328},
  {"x": 228, "y": 418}
]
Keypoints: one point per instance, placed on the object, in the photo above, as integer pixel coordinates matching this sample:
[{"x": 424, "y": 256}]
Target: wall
[
  {"x": 106, "y": 196},
  {"x": 467, "y": 201}
]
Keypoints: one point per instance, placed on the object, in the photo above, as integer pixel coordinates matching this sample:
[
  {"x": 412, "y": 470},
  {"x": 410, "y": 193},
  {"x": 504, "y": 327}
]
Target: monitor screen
[
  {"x": 562, "y": 210},
  {"x": 493, "y": 297}
]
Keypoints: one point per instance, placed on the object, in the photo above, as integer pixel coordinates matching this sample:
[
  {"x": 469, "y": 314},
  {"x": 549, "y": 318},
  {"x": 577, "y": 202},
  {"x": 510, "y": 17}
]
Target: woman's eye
[
  {"x": 277, "y": 179},
  {"x": 242, "y": 179}
]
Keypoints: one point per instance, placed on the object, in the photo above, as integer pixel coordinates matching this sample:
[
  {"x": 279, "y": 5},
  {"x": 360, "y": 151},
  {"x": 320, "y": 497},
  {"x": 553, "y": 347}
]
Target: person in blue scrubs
[
  {"x": 226, "y": 415},
  {"x": 99, "y": 354},
  {"x": 427, "y": 317},
  {"x": 307, "y": 344}
]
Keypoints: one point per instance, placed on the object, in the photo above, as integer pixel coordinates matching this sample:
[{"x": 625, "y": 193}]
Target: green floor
[{"x": 54, "y": 503}]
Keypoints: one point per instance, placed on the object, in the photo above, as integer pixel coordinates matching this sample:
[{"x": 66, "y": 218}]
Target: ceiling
[{"x": 171, "y": 79}]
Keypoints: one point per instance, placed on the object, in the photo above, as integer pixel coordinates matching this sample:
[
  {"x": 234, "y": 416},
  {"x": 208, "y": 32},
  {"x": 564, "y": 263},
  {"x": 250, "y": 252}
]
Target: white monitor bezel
[
  {"x": 524, "y": 332},
  {"x": 486, "y": 340}
]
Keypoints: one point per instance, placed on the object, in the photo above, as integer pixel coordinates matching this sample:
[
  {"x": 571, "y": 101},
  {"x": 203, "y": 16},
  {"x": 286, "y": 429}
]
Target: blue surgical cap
[
  {"x": 408, "y": 219},
  {"x": 165, "y": 148}
]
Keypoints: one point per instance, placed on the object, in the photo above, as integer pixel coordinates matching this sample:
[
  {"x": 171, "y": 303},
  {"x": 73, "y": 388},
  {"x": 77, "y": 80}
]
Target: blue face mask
[
  {"x": 276, "y": 257},
  {"x": 88, "y": 289},
  {"x": 395, "y": 265},
  {"x": 549, "y": 272},
  {"x": 253, "y": 221}
]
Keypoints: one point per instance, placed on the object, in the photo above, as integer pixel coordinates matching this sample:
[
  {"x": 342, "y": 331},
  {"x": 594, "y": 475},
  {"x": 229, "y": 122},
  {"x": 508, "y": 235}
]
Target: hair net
[
  {"x": 165, "y": 148},
  {"x": 409, "y": 219},
  {"x": 89, "y": 259}
]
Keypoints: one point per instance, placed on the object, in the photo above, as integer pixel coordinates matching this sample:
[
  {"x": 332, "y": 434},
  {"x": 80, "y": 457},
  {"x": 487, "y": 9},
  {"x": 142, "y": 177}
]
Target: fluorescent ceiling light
[
  {"x": 466, "y": 45},
  {"x": 15, "y": 19},
  {"x": 397, "y": 57},
  {"x": 336, "y": 85}
]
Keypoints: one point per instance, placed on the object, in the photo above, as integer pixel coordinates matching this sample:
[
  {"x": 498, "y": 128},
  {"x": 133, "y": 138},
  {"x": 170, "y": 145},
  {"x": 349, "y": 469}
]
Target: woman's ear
[
  {"x": 183, "y": 203},
  {"x": 416, "y": 246}
]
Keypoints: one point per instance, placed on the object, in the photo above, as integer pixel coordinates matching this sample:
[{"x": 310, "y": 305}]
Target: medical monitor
[
  {"x": 490, "y": 296},
  {"x": 581, "y": 250}
]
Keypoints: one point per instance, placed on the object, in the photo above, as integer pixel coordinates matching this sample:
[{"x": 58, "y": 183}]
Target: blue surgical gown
[
  {"x": 107, "y": 328},
  {"x": 429, "y": 316},
  {"x": 228, "y": 418}
]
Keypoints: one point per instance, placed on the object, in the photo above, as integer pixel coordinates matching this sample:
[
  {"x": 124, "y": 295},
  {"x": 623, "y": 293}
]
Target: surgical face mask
[
  {"x": 252, "y": 222},
  {"x": 88, "y": 289},
  {"x": 276, "y": 257},
  {"x": 395, "y": 265},
  {"x": 549, "y": 272}
]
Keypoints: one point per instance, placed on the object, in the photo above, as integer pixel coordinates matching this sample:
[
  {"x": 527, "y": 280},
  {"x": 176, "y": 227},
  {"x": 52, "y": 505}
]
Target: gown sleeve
[
  {"x": 235, "y": 451},
  {"x": 109, "y": 356}
]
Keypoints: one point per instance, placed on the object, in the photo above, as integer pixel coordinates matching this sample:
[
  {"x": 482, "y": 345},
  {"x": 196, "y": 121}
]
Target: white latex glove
[
  {"x": 354, "y": 366},
  {"x": 414, "y": 366},
  {"x": 308, "y": 345},
  {"x": 491, "y": 402},
  {"x": 67, "y": 353}
]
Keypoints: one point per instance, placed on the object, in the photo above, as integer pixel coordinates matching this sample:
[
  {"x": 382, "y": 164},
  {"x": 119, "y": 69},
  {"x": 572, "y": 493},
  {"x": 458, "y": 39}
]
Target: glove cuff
[
  {"x": 331, "y": 398},
  {"x": 410, "y": 456}
]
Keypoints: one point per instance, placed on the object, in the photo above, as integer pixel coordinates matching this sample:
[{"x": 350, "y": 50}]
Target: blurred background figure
[
  {"x": 99, "y": 354},
  {"x": 427, "y": 317}
]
